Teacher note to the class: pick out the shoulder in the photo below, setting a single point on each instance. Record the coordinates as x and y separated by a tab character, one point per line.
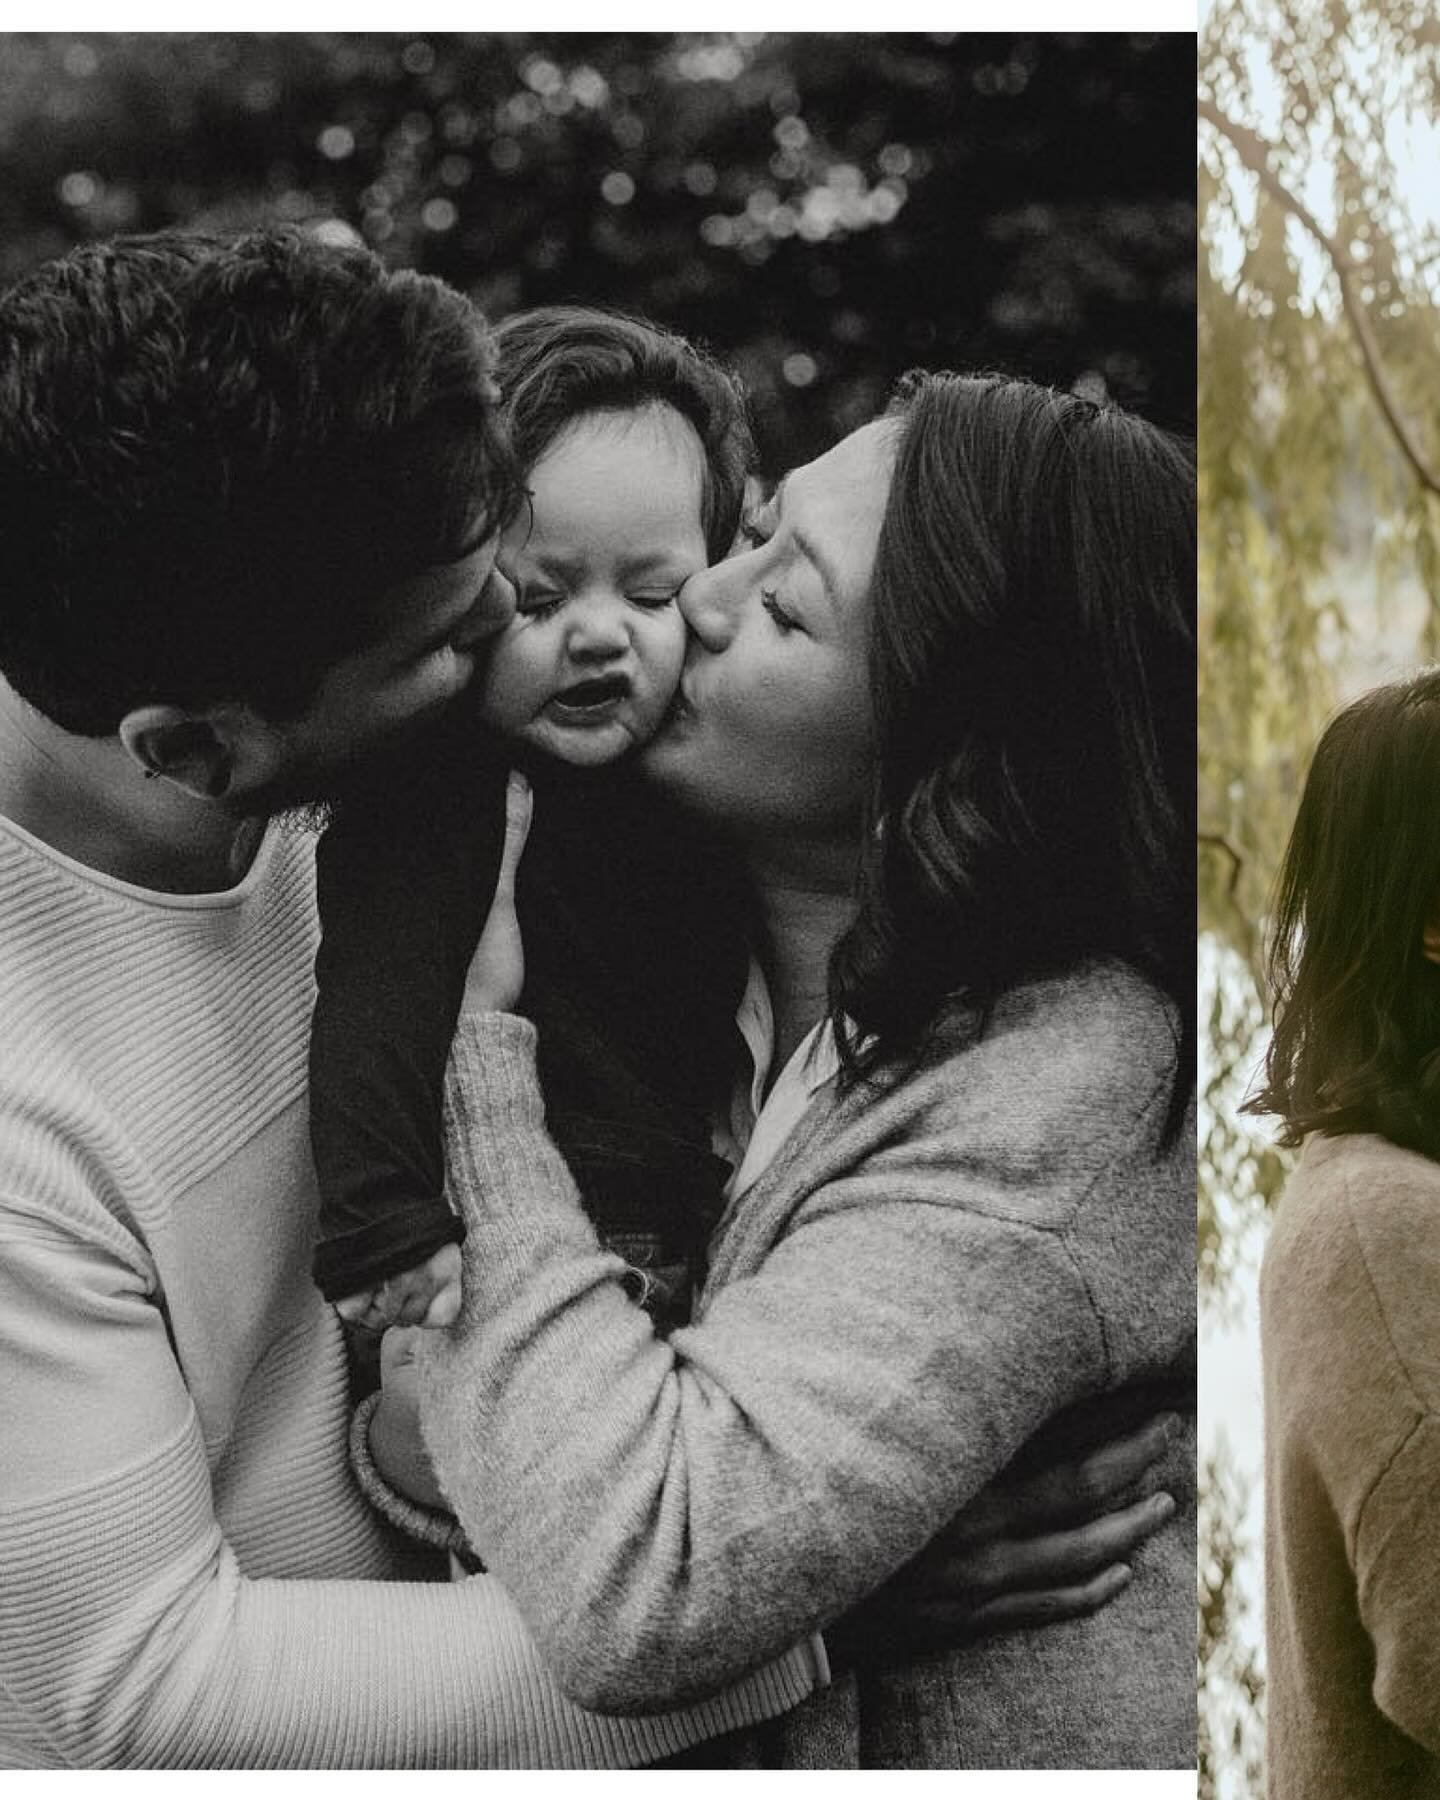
1059	1101
1090	1054
1353	1260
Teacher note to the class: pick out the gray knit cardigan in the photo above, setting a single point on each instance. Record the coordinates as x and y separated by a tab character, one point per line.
988	1261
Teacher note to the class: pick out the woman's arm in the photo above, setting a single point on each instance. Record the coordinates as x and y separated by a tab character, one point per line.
668	1514
1398	1580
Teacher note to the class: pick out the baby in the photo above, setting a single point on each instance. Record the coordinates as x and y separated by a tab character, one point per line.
635	450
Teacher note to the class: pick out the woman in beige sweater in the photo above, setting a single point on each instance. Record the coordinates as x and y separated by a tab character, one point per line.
1351	1279
941	706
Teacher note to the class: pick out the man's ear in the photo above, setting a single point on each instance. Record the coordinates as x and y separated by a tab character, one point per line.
1430	940
195	750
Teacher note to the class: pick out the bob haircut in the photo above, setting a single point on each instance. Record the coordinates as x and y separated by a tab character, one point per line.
216	455
1356	1045
558	363
1033	667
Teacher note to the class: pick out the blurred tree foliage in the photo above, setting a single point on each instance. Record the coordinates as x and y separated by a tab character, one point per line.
825	209
1231	1684
1305	449
1319	440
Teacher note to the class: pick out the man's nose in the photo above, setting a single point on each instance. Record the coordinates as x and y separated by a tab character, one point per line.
708	604
493	610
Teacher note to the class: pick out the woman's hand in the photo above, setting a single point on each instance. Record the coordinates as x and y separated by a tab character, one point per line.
395	1443
497	970
1016	1556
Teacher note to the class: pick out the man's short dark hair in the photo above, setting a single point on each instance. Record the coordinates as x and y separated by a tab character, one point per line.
215	457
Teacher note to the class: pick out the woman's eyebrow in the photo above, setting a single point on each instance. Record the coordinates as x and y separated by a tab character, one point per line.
807	546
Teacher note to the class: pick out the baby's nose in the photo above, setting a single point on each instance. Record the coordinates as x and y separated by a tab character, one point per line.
598	627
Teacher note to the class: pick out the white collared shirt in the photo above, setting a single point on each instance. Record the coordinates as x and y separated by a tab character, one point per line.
757	1125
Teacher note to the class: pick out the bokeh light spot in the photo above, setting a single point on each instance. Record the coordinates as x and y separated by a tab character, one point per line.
800	370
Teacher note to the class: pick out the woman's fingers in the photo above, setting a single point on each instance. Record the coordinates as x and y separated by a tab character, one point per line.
1066	1492
496	977
519	808
399	1350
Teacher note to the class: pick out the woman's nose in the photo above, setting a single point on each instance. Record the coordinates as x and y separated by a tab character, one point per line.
707	604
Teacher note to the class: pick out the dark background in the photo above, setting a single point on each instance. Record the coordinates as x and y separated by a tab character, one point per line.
824	209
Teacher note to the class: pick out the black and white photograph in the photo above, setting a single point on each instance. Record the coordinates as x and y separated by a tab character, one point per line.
597	867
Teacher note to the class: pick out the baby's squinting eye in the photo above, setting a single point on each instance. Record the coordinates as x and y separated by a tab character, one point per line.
538	604
655	602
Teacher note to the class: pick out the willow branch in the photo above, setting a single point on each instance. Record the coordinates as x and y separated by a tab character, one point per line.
1213	841
1254	152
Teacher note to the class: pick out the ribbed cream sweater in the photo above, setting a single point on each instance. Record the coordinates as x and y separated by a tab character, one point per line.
187	1575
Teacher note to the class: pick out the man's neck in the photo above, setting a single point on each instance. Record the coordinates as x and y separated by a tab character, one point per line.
807	903
88	799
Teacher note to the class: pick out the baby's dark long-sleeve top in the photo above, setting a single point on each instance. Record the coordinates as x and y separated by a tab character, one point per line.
634	949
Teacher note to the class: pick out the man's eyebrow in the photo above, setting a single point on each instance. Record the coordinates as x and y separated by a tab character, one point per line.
808	548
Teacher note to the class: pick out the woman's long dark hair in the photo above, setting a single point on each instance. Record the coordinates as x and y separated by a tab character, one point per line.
1033	660
1356	1045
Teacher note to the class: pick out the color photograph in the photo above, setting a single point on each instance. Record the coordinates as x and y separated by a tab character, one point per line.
1319	339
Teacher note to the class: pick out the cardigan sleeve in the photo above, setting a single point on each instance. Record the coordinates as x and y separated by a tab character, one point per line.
1398	1583
668	1513
130	1636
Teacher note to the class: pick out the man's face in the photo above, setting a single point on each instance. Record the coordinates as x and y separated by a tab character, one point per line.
423	657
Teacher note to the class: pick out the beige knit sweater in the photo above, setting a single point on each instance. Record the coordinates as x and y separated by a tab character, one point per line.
1350	1333
919	1288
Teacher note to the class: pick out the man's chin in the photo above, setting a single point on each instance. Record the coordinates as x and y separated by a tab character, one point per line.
307	790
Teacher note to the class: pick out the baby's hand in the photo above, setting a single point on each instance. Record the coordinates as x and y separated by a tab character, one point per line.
428	1295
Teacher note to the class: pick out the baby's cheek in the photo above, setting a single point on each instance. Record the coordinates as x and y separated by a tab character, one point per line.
500	682
667	655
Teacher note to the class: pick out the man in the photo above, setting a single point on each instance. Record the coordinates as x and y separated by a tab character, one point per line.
249	496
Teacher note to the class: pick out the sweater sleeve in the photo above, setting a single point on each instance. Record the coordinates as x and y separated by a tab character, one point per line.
1398	1582
130	1635
669	1513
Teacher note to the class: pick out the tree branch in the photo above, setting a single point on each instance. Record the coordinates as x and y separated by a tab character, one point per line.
1254	152
1213	841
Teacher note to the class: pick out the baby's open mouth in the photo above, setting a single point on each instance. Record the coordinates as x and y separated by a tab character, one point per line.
589	697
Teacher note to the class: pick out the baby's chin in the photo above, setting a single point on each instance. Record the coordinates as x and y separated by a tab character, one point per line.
584	746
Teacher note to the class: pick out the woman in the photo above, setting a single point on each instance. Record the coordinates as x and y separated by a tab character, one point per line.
942	708
1352	1268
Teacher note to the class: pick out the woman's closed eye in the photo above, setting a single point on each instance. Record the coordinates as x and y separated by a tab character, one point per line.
785	621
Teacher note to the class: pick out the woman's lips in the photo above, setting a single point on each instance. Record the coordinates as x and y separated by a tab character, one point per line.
679	712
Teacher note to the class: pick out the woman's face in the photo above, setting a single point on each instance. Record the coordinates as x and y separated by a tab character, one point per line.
772	730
